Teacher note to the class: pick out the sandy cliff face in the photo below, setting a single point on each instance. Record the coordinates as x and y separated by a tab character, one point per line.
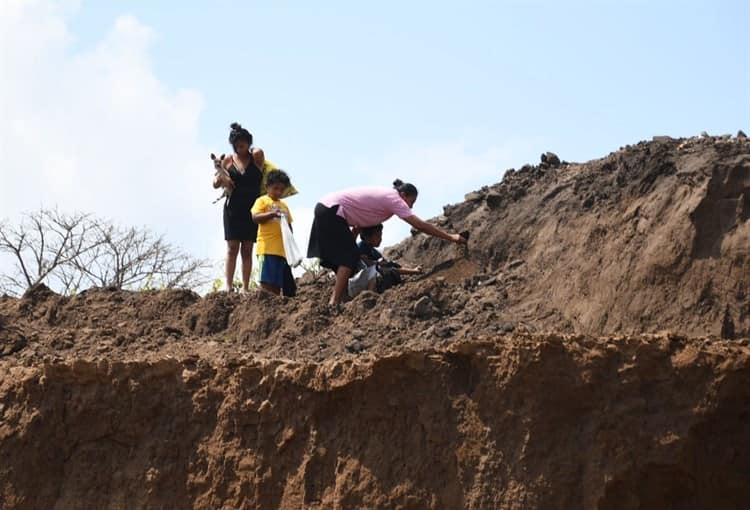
572	359
517	422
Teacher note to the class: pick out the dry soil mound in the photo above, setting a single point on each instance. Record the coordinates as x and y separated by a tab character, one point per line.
653	236
523	374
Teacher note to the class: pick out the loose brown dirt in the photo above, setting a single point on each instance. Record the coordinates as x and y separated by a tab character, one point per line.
589	351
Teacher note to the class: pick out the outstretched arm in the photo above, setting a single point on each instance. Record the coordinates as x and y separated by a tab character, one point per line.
432	230
409	271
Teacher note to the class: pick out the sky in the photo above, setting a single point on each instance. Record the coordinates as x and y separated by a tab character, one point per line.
112	107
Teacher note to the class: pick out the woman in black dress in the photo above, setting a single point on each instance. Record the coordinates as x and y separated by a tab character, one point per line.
245	179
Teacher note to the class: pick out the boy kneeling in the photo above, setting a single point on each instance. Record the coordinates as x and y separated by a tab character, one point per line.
268	212
381	274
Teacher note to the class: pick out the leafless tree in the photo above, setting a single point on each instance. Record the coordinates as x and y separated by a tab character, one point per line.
44	241
136	259
73	252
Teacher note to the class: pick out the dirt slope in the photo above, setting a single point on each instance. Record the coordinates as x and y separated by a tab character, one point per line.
654	236
520	376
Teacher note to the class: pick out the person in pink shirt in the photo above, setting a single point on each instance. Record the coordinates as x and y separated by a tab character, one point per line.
334	243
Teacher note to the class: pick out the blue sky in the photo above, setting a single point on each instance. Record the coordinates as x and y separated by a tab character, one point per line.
356	81
341	94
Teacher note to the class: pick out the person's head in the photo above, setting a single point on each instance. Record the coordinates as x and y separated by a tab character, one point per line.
276	183
259	158
406	191
372	235
240	138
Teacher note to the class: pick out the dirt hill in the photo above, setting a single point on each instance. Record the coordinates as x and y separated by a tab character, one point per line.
573	358
652	237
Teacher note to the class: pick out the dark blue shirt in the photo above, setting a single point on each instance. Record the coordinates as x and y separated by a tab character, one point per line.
369	251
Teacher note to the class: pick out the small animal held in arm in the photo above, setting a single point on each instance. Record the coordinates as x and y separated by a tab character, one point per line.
219	170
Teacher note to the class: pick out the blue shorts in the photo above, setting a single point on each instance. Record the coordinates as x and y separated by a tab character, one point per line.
272	269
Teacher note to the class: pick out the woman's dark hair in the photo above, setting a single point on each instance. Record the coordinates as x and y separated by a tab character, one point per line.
406	188
239	134
276	176
367	232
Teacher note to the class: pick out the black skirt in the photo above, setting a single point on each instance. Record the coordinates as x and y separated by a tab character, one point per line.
238	222
331	240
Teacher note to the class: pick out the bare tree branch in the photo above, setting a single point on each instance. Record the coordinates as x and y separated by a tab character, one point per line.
76	251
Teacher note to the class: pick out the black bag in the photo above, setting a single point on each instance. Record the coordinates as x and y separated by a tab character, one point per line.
290	285
388	276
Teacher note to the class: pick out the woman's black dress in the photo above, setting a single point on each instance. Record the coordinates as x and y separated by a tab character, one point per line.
238	222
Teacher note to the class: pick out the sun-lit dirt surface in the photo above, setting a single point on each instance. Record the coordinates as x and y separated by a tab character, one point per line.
589	351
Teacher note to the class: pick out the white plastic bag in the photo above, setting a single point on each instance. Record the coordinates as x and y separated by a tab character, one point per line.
291	250
361	280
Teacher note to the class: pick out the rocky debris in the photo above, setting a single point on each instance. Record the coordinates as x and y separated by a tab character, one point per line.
423	308
474	196
741	134
587	229
12	342
550	159
355	346
662	139
494	200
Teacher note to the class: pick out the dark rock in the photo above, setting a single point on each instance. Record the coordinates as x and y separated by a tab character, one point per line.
423	308
494	200
355	347
551	159
13	343
741	134
727	325
173	331
506	327
517	192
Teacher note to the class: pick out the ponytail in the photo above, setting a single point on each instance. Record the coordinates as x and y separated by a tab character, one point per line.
406	188
239	134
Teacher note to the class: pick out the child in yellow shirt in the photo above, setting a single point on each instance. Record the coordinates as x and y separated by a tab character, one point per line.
268	212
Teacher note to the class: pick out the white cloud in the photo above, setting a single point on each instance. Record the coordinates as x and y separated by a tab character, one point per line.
97	130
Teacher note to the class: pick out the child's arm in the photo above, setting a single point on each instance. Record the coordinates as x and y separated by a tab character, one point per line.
407	270
266	216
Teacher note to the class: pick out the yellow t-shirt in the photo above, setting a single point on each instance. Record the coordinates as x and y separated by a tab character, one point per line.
269	233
